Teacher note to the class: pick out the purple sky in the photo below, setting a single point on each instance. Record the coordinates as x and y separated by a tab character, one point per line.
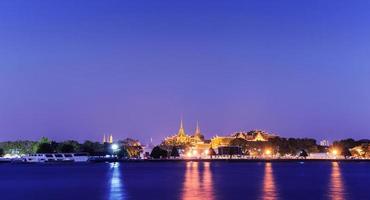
78	69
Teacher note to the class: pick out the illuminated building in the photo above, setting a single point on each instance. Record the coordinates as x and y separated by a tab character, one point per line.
197	146
181	138
255	136
324	143
193	143
361	151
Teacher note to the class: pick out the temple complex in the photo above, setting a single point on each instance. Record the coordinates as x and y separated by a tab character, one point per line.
182	139
252	136
197	144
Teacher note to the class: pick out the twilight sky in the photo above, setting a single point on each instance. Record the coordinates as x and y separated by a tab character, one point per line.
78	69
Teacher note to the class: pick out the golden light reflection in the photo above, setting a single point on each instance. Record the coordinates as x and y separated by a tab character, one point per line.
269	188
198	185
207	183
116	191
336	183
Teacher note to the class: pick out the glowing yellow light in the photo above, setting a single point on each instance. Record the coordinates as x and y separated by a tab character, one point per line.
206	152
188	154
194	152
335	152
268	152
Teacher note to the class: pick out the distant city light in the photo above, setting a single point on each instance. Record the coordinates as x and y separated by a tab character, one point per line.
268	152
114	147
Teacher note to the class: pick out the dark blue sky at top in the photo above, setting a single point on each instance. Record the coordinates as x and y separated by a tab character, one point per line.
78	69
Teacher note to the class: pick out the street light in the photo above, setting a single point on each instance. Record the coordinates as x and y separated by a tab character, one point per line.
114	147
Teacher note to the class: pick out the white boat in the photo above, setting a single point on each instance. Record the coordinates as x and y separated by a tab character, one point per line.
80	157
35	158
55	157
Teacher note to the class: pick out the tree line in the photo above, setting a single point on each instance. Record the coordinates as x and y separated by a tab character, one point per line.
128	148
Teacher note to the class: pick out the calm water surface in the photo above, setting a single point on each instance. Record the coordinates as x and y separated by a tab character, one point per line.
187	180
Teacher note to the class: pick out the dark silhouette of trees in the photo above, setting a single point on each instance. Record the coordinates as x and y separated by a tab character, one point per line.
347	143
346	153
93	148
67	148
239	142
174	152
123	153
303	154
158	152
1	152
293	146
45	148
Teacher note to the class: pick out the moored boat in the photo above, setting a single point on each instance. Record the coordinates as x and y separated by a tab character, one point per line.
55	157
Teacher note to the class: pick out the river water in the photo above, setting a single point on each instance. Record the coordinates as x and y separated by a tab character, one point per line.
187	180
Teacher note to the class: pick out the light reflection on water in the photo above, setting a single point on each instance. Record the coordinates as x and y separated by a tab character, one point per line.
336	184
269	188
116	188
197	185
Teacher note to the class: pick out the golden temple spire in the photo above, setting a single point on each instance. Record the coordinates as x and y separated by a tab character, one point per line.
197	130
181	132
111	138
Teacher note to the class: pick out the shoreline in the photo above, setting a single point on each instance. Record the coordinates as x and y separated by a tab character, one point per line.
192	160
236	160
248	160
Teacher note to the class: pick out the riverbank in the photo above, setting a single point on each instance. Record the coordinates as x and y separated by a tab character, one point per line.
251	160
232	160
111	160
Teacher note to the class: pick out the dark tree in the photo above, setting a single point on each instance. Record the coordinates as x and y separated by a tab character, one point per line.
54	146
157	152
346	153
239	142
1	152
45	148
303	154
123	153
174	152
67	148
93	148
347	143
